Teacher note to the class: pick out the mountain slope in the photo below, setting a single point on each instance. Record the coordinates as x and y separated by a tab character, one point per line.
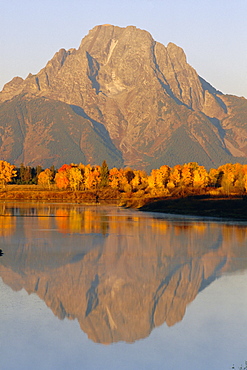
42	131
145	98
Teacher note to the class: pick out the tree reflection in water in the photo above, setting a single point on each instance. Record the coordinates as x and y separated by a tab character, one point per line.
119	273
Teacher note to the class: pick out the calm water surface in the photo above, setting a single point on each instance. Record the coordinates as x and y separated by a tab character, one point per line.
98	287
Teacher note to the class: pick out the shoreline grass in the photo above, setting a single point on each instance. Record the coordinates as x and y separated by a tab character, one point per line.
35	192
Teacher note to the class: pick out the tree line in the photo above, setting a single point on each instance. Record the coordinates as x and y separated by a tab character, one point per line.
180	180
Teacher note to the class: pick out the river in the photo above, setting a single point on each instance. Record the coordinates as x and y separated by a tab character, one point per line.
99	287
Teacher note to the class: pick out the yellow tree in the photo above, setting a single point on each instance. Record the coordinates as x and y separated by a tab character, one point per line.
136	181
125	179
187	174
75	178
152	179
140	180
245	177
92	177
156	181
200	177
214	177
120	179
97	176
7	172
115	178
175	177
165	170
239	173
228	177
88	178
45	178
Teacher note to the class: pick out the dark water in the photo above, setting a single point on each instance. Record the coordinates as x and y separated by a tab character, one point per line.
98	287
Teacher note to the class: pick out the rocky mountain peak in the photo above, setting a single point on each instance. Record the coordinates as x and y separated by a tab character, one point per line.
176	53
141	93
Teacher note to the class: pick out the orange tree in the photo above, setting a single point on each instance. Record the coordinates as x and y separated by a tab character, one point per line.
62	177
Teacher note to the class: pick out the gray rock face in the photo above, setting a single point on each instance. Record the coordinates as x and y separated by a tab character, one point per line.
144	97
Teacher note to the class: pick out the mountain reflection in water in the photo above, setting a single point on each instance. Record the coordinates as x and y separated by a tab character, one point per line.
119	273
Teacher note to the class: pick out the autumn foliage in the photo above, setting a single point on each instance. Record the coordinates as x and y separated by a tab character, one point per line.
180	180
45	178
7	172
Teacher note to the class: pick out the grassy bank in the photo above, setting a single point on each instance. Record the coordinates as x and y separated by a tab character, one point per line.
35	192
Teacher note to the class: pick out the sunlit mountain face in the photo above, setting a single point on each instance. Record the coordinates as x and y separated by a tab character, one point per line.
124	98
119	273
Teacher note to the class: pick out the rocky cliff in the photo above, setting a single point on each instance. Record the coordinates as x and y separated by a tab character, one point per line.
141	100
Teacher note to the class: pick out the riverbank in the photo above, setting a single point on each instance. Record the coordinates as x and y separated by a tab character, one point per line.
227	208
34	192
206	206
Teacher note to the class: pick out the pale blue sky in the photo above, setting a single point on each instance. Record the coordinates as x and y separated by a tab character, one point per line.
213	33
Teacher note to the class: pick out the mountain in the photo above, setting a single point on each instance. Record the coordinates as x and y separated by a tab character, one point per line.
125	98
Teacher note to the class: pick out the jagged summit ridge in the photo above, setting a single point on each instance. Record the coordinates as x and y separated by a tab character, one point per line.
151	103
115	54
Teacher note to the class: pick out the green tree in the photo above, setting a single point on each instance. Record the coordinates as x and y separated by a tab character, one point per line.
25	174
38	169
104	174
22	173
